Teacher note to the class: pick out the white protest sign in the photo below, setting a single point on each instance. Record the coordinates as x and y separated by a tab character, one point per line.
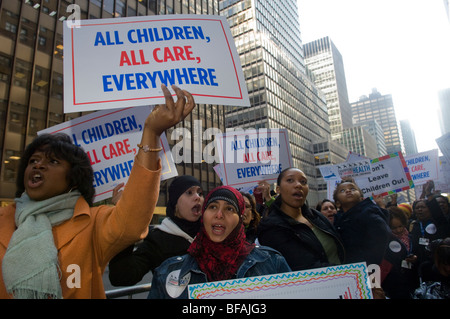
352	157
110	139
121	62
350	281
219	171
423	166
443	184
353	169
331	186
249	156
385	175
389	175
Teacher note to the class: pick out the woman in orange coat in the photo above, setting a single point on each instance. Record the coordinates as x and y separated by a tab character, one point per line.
53	244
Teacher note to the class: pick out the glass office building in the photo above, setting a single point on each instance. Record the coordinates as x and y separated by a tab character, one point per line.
326	63
380	108
409	137
267	37
31	76
444	110
358	140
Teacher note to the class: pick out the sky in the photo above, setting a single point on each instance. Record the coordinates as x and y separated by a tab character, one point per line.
399	47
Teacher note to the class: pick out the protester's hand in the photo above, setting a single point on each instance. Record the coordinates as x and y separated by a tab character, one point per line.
394	199
427	189
379	200
411	259
164	116
378	293
117	193
264	188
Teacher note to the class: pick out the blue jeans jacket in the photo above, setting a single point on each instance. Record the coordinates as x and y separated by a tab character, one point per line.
170	280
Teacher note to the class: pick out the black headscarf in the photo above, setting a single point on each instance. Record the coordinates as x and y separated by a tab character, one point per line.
178	186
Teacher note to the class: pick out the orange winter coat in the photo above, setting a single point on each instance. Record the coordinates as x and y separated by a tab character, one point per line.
94	235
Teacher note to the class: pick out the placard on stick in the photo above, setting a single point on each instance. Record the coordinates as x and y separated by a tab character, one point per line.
385	175
121	62
110	139
249	156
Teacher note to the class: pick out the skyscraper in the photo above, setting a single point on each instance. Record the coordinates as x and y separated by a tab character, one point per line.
267	37
326	63
374	129
444	110
358	140
31	75
380	108
409	138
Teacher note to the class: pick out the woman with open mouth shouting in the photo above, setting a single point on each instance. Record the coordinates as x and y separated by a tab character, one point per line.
303	235
220	250
172	238
53	243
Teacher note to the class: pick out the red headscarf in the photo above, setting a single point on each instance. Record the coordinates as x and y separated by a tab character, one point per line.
220	261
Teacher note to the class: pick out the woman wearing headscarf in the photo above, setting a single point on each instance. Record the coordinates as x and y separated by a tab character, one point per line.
172	238
219	252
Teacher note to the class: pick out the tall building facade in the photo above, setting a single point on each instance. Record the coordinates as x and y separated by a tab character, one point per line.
267	37
326	152
374	129
409	138
31	76
444	110
380	108
358	140
325	61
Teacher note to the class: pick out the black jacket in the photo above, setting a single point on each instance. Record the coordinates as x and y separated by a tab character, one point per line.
399	282
365	232
296	241
436	227
128	268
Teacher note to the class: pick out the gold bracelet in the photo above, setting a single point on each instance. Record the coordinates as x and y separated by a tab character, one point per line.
147	149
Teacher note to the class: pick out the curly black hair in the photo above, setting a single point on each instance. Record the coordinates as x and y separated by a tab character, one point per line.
345	180
59	145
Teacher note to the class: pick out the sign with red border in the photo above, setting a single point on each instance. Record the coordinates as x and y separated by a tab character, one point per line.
110	138
122	62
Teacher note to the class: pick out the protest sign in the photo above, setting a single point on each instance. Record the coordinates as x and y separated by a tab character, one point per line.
353	169
423	166
353	157
121	62
249	156
110	139
350	281
331	186
385	175
389	174
443	183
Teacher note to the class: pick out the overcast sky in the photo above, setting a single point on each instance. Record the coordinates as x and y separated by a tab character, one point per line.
400	47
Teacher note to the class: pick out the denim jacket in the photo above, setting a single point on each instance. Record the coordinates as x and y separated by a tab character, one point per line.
170	280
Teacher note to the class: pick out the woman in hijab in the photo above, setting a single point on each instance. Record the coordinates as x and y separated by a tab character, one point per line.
171	238
219	252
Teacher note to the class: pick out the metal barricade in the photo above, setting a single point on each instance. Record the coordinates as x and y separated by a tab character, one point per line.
127	291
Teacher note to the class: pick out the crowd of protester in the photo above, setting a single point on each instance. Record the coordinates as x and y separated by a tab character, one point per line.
409	243
53	227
